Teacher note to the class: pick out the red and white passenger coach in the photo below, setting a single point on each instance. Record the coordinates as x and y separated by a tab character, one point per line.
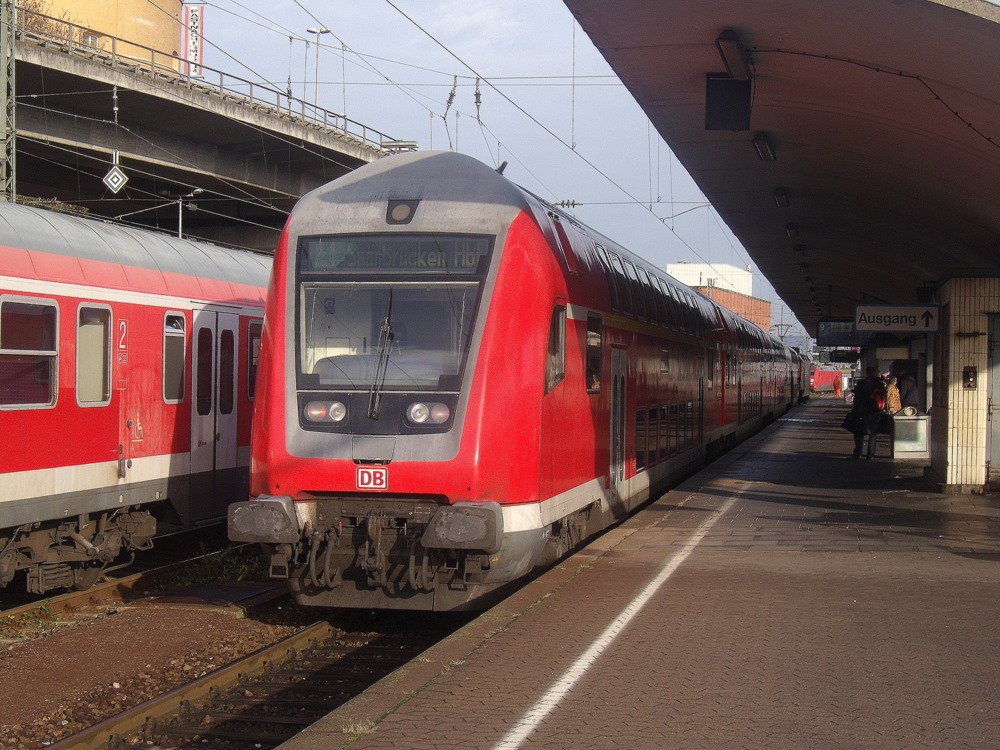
127	369
459	382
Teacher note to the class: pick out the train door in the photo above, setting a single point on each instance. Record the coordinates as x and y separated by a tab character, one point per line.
213	412
618	412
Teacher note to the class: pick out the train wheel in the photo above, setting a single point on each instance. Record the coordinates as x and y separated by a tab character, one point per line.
86	576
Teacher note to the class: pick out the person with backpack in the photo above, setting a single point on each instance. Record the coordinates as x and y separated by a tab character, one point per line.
866	412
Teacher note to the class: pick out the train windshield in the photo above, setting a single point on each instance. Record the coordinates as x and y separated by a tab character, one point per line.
346	292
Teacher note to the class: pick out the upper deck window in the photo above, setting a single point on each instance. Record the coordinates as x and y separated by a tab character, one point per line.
395	254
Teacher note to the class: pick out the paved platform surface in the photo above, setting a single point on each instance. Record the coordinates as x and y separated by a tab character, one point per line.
810	601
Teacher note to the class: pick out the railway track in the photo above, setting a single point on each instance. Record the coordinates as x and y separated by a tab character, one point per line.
63	608
263	699
171	554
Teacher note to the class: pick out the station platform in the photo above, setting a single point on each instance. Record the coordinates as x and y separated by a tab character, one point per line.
786	596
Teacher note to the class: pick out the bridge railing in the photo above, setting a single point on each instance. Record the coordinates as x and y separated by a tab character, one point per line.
48	31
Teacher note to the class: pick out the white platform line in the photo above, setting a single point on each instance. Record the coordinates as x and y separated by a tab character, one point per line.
558	690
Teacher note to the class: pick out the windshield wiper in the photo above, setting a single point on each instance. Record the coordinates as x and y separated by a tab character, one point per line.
381	362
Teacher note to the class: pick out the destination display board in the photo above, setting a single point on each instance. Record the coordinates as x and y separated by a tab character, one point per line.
897	318
395	254
839	333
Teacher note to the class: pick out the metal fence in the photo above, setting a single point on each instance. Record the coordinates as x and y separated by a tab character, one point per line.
47	31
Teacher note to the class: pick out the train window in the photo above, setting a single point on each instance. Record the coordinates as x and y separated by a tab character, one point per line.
664	360
670	305
562	240
653	426
28	352
227	369
637	293
93	356
203	378
664	432
711	363
594	353
640	440
340	323
628	308
652	304
253	356
602	256
555	361
173	358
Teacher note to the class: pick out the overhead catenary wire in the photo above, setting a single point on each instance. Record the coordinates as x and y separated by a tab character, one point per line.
541	125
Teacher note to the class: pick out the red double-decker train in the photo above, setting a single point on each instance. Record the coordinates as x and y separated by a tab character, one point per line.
127	369
460	382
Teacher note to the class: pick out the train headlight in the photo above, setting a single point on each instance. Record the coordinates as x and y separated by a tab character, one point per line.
418	413
337	411
325	411
421	413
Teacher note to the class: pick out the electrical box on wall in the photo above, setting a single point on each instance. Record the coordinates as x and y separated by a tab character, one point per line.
970	378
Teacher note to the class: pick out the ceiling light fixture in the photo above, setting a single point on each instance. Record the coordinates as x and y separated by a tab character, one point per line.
734	55
792	229
780	196
762	145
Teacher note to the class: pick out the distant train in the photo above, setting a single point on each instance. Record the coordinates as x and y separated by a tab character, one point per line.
127	369
460	382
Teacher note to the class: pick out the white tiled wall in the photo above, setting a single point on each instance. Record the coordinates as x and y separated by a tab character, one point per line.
958	431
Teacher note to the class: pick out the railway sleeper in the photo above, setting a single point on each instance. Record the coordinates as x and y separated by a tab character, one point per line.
72	552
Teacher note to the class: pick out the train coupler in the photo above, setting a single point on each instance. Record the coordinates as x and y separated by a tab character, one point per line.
373	559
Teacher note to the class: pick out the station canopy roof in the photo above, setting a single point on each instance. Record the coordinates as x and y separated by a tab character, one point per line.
882	117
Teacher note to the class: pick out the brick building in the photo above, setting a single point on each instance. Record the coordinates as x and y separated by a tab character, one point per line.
757	311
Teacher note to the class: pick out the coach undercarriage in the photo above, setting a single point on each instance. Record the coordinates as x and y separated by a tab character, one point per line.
390	552
73	552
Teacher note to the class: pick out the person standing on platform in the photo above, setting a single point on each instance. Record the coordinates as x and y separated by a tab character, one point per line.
838	387
866	412
908	395
893	403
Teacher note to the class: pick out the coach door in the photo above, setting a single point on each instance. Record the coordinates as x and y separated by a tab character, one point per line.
618	412
213	411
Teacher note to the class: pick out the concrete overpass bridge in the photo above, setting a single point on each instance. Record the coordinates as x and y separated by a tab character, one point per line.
250	150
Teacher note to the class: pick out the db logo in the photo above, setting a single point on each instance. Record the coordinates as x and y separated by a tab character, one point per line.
373	478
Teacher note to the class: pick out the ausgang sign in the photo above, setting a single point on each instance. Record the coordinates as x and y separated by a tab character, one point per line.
897	318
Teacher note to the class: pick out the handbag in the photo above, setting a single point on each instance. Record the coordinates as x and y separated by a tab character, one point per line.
853	422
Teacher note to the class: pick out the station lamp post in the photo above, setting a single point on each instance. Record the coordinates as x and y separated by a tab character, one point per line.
317	30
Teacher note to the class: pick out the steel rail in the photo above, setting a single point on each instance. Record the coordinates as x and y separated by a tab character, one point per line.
113	590
111	732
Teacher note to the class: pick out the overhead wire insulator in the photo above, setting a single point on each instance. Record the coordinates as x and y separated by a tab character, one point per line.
479	101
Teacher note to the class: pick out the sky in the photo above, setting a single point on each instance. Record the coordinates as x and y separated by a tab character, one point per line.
549	105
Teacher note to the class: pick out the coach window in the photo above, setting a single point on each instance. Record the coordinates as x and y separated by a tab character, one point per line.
593	363
555	368
602	256
28	352
253	357
640	298
640	440
203	378
628	305
93	356
173	358
227	367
